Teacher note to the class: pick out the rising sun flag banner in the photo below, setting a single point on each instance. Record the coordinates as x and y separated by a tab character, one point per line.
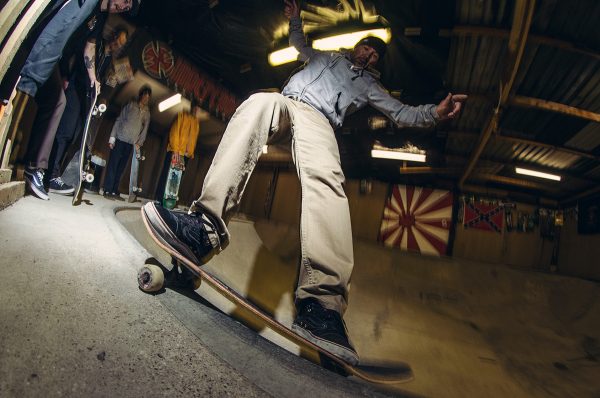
417	219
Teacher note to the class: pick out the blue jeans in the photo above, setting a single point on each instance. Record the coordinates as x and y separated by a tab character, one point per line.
49	46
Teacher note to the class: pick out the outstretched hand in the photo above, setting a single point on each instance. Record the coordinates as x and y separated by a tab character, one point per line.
291	9
450	106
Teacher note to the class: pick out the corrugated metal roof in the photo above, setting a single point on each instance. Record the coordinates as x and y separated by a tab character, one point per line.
548	71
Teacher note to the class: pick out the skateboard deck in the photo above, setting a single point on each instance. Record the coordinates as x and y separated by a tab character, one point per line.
172	185
151	278
135	178
85	175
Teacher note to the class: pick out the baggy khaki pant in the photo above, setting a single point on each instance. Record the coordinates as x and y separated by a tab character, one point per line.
327	256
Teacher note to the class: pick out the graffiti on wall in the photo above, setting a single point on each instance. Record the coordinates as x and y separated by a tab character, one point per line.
160	62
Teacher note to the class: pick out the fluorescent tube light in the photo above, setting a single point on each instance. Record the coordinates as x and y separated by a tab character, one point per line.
414	157
537	174
284	56
347	40
169	102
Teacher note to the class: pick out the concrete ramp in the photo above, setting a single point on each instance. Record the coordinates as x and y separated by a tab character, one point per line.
467	329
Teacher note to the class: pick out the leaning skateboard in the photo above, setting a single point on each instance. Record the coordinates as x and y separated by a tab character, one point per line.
174	175
85	170
152	278
135	178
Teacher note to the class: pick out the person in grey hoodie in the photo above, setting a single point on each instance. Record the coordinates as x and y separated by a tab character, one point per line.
129	130
315	100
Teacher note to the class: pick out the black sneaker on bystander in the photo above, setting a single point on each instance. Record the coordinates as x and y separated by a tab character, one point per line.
57	185
35	182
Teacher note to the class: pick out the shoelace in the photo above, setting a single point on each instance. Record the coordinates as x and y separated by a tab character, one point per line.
39	174
59	181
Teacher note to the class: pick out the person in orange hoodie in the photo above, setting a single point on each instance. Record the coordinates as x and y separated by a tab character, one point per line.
182	143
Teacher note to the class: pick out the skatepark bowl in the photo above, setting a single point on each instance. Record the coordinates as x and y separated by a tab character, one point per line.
468	329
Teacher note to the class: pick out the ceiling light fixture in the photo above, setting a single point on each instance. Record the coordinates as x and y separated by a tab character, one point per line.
539	174
330	43
408	152
381	154
169	102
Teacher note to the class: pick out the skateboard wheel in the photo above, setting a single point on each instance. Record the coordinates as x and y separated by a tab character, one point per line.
102	108
89	178
151	278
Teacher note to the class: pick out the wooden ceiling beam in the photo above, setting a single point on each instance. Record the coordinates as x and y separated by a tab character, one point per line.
458	31
537	103
529	102
510	181
504	137
523	14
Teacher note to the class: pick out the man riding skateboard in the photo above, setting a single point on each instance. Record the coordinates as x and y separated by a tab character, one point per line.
314	101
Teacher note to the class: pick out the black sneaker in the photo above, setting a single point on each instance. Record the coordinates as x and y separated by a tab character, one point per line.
325	328
35	182
188	236
57	185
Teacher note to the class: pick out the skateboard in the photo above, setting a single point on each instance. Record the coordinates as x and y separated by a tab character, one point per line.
135	178
152	278
85	170
172	185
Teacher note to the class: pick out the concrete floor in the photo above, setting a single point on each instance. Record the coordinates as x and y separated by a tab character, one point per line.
72	321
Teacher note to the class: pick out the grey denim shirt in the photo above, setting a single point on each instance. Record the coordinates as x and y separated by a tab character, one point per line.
132	124
330	83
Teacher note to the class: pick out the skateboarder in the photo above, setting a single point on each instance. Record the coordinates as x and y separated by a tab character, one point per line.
129	130
41	79
314	101
77	82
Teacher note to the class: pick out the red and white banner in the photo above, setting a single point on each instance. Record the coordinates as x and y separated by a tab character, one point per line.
417	219
488	217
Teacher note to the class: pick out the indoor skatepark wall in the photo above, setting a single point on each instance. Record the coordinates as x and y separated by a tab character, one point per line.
577	253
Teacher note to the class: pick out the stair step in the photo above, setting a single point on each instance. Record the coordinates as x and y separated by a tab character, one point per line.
5	175
10	192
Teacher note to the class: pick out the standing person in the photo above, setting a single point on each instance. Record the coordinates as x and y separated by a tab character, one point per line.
129	130
72	121
315	100
40	78
182	144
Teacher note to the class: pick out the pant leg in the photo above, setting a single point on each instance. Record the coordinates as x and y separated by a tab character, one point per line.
51	105
326	238
111	181
125	151
69	125
327	256
49	46
237	154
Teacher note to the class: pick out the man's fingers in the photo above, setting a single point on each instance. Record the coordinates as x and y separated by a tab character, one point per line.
460	97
